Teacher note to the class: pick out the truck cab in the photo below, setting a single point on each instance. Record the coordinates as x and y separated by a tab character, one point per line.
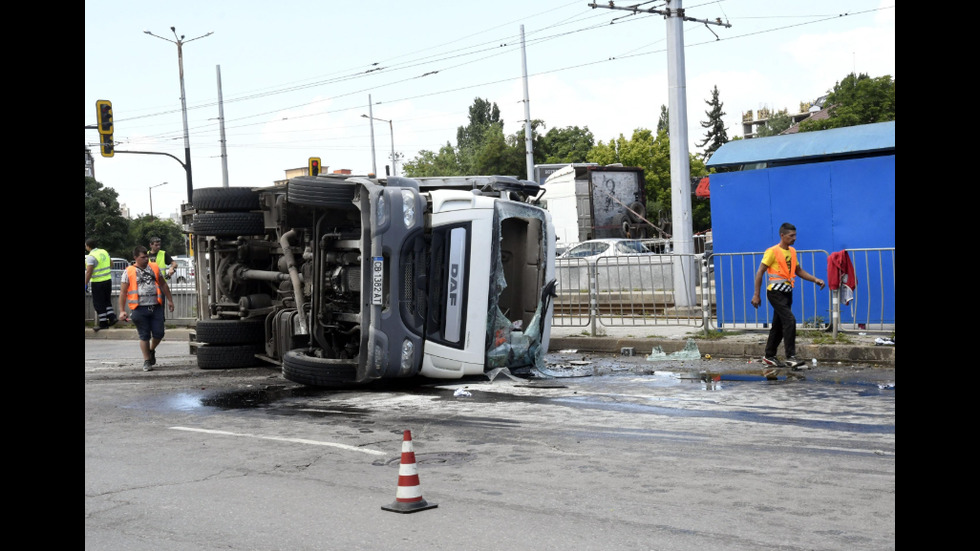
356	279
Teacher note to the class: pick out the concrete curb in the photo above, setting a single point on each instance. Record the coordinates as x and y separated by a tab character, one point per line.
876	355
883	356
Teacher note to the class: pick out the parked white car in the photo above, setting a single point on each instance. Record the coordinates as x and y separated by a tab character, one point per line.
118	266
596	248
184	272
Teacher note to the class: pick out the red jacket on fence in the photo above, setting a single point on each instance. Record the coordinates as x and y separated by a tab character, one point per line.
840	272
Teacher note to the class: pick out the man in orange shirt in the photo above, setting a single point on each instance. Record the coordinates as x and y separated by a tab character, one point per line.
780	262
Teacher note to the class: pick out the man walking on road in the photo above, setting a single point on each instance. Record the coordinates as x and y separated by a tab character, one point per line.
780	262
98	274
143	288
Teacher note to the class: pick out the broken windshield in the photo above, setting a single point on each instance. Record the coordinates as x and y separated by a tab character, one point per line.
518	305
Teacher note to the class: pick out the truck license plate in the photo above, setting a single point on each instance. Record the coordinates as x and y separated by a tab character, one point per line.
379	276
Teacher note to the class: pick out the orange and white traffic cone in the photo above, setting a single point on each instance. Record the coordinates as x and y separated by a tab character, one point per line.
408	498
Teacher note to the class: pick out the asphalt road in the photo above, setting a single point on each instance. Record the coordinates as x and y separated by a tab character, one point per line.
618	453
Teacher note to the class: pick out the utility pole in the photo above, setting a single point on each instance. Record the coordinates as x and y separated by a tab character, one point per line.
221	121
374	163
183	102
528	142
680	165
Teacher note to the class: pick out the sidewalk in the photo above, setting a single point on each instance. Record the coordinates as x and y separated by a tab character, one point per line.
749	344
746	344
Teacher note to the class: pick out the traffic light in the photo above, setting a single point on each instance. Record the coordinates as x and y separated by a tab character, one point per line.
103	114
314	166
106	145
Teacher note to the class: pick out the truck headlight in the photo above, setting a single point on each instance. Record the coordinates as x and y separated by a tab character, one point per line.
408	208
381	211
408	356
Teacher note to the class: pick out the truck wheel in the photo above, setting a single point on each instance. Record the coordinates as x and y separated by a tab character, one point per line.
230	331
225	199
210	356
621	224
301	367
315	192
229	224
637	207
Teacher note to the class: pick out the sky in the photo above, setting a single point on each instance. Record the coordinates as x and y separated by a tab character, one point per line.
299	78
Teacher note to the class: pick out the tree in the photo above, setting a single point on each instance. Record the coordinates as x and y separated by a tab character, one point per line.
664	122
717	135
427	163
775	124
104	220
483	116
564	145
858	99
146	226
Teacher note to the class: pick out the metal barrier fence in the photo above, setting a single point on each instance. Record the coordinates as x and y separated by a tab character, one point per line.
872	306
735	273
631	291
873	303
639	291
185	305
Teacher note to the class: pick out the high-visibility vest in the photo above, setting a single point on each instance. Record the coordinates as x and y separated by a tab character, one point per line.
132	294
780	271
161	256
103	268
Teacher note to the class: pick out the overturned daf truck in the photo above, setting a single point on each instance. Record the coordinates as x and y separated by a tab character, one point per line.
347	280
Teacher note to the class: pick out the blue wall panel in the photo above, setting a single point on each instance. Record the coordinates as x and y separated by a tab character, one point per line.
834	205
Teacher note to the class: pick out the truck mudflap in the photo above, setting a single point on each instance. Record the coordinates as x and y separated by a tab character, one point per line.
523	253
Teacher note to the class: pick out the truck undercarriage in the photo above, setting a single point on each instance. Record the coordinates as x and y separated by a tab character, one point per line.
345	281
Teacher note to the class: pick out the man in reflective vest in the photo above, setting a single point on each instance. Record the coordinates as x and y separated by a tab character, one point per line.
142	288
98	274
161	258
780	263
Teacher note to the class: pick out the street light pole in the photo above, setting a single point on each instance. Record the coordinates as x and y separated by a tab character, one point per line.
183	102
151	196
391	130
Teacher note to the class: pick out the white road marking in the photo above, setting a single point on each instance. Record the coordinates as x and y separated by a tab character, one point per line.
294	440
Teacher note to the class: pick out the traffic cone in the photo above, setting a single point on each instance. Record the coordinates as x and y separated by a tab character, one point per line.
408	498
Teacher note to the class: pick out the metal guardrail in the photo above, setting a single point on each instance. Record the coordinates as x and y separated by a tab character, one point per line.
735	273
635	290
185	305
639	291
873	304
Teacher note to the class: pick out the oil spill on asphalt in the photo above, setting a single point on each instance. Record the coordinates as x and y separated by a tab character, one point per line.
659	393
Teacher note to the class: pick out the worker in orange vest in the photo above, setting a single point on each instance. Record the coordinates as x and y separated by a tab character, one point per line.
142	289
782	266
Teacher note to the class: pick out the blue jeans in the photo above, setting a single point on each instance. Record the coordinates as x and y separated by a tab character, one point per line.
149	321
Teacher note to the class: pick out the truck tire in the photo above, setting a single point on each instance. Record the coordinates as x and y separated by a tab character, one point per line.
315	192
638	207
621	224
301	367
229	224
211	356
225	199
230	331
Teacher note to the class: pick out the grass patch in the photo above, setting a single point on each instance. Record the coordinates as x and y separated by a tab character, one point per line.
823	337
715	334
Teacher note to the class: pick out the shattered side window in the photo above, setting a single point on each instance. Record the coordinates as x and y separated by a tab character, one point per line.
515	314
